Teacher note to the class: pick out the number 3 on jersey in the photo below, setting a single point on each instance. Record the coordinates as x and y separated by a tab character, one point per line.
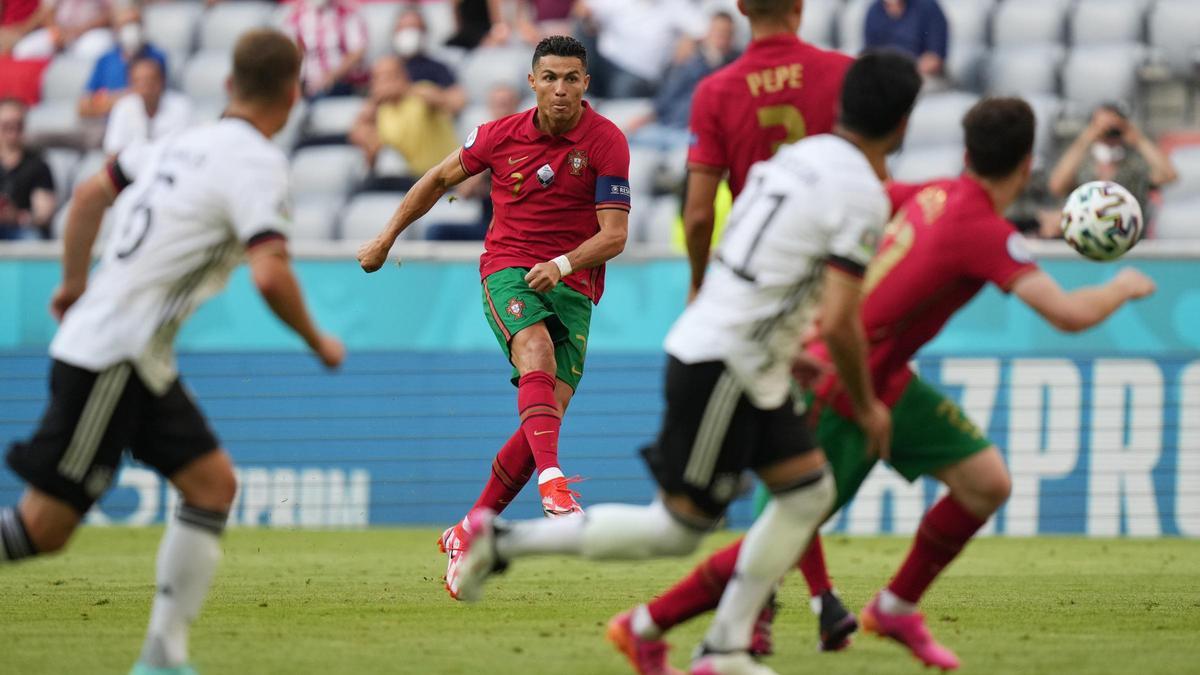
786	116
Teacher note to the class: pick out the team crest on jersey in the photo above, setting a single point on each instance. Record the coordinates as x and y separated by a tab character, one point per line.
515	308
576	161
932	202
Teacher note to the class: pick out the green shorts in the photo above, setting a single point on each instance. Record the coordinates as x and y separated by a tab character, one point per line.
512	306
929	433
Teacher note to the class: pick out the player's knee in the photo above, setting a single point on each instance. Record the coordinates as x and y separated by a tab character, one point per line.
678	535
995	489
810	498
48	535
215	492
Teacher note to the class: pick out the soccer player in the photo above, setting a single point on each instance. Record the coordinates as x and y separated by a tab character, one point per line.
560	186
804	230
947	241
778	91
190	209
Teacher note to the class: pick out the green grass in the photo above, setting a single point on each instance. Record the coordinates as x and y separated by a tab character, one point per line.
372	602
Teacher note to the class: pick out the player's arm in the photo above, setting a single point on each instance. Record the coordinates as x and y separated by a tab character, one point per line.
1079	310
842	330
597	250
698	218
91	198
417	202
271	270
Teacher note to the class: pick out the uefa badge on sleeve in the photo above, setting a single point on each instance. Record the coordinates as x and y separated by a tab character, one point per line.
545	175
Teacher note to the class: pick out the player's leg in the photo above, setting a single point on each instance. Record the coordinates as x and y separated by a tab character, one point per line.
939	440
38	525
175	439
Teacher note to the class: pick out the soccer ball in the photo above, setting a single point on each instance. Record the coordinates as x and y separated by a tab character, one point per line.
1102	220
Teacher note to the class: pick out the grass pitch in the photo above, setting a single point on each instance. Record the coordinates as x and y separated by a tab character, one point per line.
372	602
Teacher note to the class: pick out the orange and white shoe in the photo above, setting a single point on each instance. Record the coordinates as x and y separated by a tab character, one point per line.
558	499
648	657
451	543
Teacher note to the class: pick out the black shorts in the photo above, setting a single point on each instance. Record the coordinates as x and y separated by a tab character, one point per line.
90	421
711	433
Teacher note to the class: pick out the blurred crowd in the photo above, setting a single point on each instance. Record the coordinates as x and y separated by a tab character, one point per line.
394	86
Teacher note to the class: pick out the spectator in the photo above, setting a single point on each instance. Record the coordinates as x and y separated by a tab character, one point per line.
406	116
534	20
332	35
1113	148
409	43
666	127
636	40
79	27
478	23
917	27
110	77
27	199
148	111
18	18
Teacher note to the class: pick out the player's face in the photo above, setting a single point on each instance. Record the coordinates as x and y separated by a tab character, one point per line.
559	83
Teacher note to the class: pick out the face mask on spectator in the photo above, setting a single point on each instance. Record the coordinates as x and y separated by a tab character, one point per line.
407	42
1104	153
130	37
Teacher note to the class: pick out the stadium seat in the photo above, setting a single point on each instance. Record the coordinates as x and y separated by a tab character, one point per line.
967	19
224	23
1028	22
1093	75
1177	219
53	120
314	217
333	116
65	78
817	26
367	213
917	164
1186	160
440	22
1107	22
380	18
171	26
964	64
622	111
1020	71
456	212
332	170
471	116
63	163
1172	29
850	26
488	66
657	222
390	163
1048	108
289	135
936	119
205	73
91	164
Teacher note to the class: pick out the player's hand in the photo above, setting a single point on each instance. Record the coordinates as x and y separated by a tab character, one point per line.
373	254
1135	284
808	369
330	350
64	296
543	277
876	423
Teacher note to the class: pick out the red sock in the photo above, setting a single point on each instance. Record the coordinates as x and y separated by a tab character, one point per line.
812	566
943	533
540	419
698	592
510	472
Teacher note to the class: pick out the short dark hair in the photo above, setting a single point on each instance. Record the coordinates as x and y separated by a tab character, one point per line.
146	58
266	64
767	9
999	136
560	45
879	92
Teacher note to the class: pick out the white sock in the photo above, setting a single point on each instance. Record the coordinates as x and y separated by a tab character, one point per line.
605	532
643	624
770	548
187	560
549	475
890	603
815	603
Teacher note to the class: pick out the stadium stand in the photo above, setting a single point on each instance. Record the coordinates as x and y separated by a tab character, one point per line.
1028	22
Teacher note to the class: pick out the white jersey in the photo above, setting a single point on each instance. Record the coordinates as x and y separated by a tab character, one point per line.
815	203
195	200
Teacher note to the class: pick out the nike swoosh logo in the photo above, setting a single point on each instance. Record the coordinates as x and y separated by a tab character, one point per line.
512	161
542	433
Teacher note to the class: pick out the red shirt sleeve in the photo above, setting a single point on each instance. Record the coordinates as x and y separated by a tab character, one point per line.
476	153
706	147
899	193
998	253
612	173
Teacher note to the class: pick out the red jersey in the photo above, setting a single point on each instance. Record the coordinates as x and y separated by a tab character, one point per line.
546	189
945	242
779	91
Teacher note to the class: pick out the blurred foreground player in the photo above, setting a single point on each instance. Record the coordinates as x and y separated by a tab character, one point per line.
190	209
